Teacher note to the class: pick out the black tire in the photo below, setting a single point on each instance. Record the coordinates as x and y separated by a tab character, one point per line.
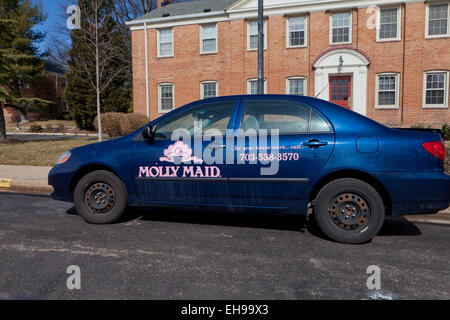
349	211
100	197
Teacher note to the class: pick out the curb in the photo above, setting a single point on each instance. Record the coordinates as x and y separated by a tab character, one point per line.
432	221
5	183
25	186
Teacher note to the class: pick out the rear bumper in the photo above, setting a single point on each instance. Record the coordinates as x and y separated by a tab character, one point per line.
416	192
59	177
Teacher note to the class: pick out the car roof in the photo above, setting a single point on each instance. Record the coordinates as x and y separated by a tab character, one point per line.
339	117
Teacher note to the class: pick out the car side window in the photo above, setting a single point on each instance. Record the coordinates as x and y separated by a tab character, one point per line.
286	116
318	124
213	115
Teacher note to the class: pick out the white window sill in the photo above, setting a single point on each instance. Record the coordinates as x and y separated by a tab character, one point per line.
339	43
430	106
208	52
386	107
255	49
389	40
438	36
162	57
296	47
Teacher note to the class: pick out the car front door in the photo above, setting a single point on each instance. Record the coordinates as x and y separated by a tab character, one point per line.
305	143
172	171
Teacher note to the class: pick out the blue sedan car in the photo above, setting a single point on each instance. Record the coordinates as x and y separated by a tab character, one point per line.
275	153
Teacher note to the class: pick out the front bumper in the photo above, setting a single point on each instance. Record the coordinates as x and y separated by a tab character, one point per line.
416	192
60	177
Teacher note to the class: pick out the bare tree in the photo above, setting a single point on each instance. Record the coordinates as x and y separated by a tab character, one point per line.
97	41
131	9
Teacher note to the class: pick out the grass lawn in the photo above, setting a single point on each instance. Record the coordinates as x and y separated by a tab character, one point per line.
38	153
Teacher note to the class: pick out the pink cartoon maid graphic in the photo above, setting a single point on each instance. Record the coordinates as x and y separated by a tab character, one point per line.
179	152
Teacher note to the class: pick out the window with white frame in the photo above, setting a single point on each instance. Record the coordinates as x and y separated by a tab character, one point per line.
296	86
296	29
208	41
208	89
341	27
436	89
387	90
252	86
165	97
389	24
165	42
252	35
437	24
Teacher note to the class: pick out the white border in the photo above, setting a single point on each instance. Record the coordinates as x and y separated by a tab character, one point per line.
446	85
248	35
208	82
427	15
253	80
158	54
287	32
350	36
397	90
159	96
305	84
399	24
202	51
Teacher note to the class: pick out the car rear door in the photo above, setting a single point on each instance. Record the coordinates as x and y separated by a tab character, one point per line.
171	171
305	143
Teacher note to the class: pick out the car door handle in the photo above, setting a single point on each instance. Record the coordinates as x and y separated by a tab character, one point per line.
314	143
216	146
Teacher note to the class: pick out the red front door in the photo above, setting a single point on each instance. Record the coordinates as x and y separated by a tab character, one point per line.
341	90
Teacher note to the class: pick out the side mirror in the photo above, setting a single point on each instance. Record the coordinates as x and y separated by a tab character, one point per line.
148	133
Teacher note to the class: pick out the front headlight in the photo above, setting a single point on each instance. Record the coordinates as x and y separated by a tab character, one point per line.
64	157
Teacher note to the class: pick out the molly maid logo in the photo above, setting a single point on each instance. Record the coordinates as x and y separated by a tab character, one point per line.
181	152
178	153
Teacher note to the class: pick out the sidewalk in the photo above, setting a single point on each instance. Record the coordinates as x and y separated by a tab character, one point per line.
34	180
25	178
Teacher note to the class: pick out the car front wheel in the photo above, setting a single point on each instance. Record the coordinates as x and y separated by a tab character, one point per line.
100	197
349	211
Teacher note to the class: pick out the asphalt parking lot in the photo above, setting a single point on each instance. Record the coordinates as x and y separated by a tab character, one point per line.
168	254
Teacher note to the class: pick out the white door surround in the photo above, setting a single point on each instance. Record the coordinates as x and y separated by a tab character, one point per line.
343	61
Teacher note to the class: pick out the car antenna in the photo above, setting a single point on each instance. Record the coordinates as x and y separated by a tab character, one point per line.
322	90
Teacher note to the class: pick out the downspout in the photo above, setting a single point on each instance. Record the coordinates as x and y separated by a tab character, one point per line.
308	36
147	101
403	64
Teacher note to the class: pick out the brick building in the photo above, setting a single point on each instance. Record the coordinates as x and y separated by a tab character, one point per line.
51	88
387	59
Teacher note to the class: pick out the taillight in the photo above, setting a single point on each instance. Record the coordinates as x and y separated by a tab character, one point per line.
436	148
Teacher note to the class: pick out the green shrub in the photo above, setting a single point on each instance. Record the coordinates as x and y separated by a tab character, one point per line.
131	122
36	128
65	116
445	132
117	124
110	124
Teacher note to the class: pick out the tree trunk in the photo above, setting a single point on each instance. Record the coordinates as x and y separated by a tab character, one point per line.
2	124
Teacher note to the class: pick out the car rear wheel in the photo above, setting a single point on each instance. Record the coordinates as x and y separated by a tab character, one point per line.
100	197
349	211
